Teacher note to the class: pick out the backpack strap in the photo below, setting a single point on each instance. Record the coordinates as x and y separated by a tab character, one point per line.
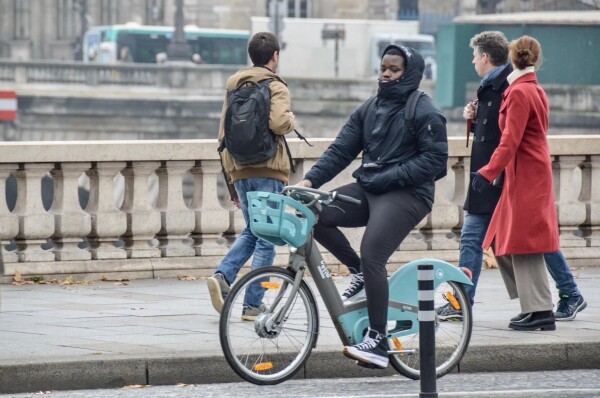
230	188
302	137
365	109
411	106
289	153
266	83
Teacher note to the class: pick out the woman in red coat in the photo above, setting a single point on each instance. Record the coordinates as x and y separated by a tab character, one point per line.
524	225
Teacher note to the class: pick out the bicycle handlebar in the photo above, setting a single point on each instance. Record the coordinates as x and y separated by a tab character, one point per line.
345	198
324	196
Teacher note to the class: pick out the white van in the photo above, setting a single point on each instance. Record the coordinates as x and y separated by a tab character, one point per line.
424	44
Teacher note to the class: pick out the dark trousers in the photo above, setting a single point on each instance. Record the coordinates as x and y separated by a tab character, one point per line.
388	219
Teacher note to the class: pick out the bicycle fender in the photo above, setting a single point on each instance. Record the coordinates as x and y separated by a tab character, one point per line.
405	278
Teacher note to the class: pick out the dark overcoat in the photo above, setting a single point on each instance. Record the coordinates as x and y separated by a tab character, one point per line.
486	137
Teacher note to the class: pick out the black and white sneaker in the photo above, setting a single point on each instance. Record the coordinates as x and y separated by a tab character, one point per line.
372	352
357	284
568	307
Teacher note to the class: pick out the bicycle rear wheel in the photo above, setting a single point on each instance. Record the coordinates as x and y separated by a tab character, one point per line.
265	351
451	337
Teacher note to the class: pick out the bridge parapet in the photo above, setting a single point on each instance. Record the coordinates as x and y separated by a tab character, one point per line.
158	208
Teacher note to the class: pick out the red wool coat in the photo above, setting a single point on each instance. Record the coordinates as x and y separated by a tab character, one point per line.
524	221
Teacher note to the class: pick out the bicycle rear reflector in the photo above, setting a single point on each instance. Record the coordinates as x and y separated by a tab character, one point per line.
452	300
270	285
263	366
397	344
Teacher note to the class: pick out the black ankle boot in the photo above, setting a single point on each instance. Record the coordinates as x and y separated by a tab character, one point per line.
518	317
543	320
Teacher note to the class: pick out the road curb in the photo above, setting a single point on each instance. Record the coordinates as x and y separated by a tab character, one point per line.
329	363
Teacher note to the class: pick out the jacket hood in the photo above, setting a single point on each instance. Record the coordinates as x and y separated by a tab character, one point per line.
415	66
253	73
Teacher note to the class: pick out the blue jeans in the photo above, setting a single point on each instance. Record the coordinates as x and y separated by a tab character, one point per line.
560	272
471	257
247	244
471	251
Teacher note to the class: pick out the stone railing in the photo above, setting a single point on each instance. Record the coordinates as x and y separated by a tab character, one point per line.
194	80
156	208
77	73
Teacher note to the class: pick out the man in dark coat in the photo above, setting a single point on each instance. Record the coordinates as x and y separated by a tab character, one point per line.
395	184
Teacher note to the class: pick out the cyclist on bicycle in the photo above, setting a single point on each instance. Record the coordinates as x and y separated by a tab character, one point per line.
395	184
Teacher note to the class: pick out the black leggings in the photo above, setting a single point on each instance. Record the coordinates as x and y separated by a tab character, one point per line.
388	218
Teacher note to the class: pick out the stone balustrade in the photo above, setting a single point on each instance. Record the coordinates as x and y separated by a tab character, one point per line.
158	208
77	73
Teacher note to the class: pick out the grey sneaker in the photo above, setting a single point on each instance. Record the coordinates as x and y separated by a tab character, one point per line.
448	313
568	307
250	313
218	289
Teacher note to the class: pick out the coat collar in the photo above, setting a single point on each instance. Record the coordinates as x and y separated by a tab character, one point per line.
499	80
518	73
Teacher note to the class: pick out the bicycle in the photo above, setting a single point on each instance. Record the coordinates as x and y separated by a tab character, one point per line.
276	345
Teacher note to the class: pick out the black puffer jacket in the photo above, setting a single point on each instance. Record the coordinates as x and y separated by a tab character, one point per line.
393	158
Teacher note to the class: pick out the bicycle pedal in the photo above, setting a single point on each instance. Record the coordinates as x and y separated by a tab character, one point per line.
368	365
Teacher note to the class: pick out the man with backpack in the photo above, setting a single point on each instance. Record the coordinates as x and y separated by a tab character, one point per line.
403	153
256	115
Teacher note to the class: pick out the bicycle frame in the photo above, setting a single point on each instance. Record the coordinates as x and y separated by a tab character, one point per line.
279	341
351	318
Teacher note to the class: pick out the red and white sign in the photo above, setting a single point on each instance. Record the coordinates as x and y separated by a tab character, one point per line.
8	105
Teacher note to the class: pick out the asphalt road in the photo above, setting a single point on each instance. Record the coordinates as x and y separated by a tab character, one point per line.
572	383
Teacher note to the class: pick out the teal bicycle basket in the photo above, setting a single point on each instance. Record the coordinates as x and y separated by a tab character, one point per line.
279	219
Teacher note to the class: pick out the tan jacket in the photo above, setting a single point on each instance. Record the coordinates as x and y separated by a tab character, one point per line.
280	122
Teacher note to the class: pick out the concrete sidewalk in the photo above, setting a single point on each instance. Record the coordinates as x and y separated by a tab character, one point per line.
165	331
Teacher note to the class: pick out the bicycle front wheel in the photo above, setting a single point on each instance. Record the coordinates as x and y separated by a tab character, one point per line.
273	347
452	336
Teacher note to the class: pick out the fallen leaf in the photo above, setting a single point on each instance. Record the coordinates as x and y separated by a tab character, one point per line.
136	386
121	284
105	279
69	280
17	278
51	281
186	278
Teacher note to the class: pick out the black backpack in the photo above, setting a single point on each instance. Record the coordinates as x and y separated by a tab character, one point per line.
247	135
409	117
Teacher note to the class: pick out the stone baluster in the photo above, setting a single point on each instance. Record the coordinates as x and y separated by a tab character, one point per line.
71	223
460	169
211	218
443	217
177	221
9	222
143	222
591	196
571	212
108	222
35	223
